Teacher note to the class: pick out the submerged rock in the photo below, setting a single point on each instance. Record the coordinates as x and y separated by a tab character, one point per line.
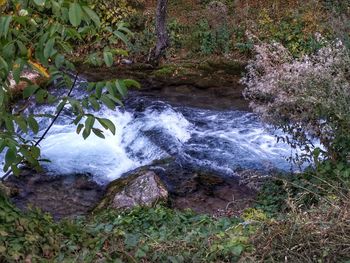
60	195
144	188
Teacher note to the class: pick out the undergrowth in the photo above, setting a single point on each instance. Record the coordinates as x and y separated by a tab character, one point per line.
142	235
309	217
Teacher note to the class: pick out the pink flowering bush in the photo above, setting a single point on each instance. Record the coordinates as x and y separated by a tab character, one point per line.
305	96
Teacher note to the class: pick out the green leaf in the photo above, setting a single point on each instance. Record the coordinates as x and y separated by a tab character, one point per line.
237	250
75	14
3	64
86	133
33	124
22	48
118	51
39	2
107	101
89	122
121	87
79	128
107	124
108	58
2	97
48	50
56	8
98	133
121	36
29	91
59	60
22	124
35	151
4	25
99	88
94	103
111	87
78	119
10	156
122	27
116	100
17	69
41	95
91	86
93	16
132	83
9	124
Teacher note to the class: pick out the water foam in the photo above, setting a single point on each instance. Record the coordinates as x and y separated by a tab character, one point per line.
222	141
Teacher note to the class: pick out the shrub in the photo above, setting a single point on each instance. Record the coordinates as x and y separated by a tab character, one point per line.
212	40
305	97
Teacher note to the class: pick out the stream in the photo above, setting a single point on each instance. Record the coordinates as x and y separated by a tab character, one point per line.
149	129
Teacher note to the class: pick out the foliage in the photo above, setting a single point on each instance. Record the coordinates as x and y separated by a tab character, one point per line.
112	12
177	33
36	36
142	41
304	97
143	234
294	31
212	41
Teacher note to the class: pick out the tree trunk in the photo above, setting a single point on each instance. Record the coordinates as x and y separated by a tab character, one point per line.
161	31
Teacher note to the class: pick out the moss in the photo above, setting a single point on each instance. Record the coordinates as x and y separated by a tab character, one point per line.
165	71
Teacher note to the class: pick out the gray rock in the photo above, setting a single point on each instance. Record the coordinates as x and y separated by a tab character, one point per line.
125	61
142	189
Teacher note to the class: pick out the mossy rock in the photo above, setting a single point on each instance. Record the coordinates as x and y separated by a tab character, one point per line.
141	188
165	71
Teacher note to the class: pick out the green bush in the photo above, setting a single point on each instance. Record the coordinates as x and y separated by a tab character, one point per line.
212	41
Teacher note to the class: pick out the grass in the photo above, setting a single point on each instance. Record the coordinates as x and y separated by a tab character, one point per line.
320	234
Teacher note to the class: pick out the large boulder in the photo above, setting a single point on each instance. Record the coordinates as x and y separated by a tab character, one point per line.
144	188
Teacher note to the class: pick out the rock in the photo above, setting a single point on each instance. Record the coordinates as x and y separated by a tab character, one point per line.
125	61
144	188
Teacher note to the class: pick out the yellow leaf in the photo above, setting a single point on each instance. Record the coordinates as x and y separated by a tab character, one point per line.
2	2
42	70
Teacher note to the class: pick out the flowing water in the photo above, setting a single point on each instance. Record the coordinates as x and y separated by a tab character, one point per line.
148	129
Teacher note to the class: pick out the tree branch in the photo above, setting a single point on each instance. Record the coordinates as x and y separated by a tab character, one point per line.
48	128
